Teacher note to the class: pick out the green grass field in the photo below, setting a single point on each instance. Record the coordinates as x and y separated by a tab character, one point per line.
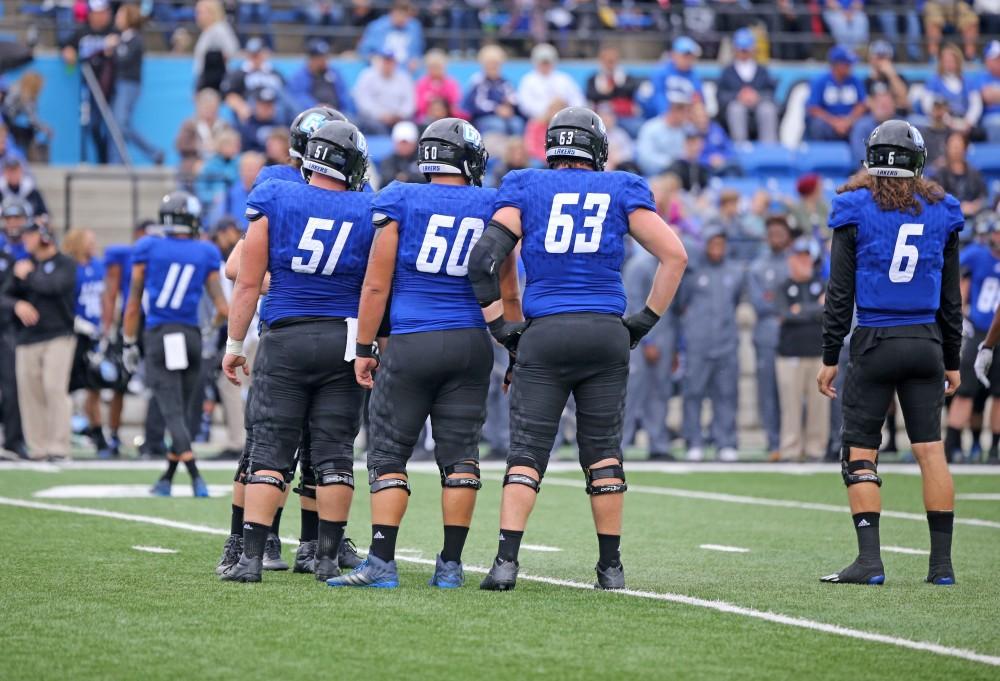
79	602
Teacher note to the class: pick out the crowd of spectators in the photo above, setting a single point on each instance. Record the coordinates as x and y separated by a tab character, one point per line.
764	248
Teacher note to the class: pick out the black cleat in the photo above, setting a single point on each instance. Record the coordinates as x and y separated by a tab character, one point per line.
347	555
231	551
245	570
858	573
305	557
941	575
272	554
611	577
502	576
325	568
994	456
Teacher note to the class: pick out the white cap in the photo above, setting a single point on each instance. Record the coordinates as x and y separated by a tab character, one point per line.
544	52
405	131
98	5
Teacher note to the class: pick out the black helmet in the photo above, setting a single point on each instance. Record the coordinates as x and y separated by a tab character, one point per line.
454	147
306	123
180	213
577	133
16	207
337	149
895	149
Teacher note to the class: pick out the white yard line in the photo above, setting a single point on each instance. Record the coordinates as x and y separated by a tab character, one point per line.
154	549
542	548
724	548
675	468
909	552
181	489
764	501
978	496
718	606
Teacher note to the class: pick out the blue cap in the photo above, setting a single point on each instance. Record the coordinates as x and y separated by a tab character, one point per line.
254	45
992	50
842	55
387	52
744	39
685	45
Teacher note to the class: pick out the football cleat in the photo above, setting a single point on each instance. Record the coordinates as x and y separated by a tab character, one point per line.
305	557
858	573
994	456
501	577
245	570
611	577
325	568
231	551
373	573
695	454
161	488
347	555
272	554
447	574
728	455
199	487
941	575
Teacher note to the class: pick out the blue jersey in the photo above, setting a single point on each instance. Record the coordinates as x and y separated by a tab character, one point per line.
318	243
574	224
176	270
16	251
983	269
438	226
289	174
90	291
899	257
278	172
836	98
120	255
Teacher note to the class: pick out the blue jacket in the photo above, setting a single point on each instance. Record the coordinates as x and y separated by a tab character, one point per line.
485	95
406	42
303	87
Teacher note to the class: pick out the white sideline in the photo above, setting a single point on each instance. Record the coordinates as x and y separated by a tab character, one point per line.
718	606
153	549
762	501
978	496
673	468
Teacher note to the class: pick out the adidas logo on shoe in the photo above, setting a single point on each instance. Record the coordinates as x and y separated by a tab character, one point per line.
379	535
502	538
864	523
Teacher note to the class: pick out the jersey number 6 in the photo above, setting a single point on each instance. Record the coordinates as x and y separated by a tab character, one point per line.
435	246
559	234
905	252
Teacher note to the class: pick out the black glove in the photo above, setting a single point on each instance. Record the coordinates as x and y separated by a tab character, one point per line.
509	374
369	350
507	334
639	324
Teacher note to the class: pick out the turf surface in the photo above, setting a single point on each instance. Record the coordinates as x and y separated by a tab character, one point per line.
79	602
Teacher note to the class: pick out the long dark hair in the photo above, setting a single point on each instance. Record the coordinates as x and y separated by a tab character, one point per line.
895	193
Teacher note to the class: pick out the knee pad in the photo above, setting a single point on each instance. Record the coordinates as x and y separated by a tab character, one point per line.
604	473
334	475
849	469
242	469
376	485
303	491
520	478
461	467
255	479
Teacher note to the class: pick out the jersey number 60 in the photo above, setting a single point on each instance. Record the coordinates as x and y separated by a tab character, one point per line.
905	252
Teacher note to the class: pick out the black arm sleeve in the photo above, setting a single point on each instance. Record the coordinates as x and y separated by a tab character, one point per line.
487	255
949	315
839	294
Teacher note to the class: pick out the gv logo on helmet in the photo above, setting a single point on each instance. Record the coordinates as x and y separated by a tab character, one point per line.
471	135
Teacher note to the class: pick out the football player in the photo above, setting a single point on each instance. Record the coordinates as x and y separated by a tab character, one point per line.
313	239
173	270
572	221
304	125
440	359
981	263
895	256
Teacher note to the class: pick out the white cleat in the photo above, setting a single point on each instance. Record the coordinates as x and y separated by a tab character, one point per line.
695	454
728	454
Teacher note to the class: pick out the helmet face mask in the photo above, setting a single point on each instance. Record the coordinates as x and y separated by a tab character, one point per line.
338	150
577	134
180	214
895	149
451	146
306	123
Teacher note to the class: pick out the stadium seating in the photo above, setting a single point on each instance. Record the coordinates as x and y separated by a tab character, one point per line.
826	158
767	159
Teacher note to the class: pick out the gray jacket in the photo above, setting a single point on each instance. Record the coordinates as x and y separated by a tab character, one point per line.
765	275
708	298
